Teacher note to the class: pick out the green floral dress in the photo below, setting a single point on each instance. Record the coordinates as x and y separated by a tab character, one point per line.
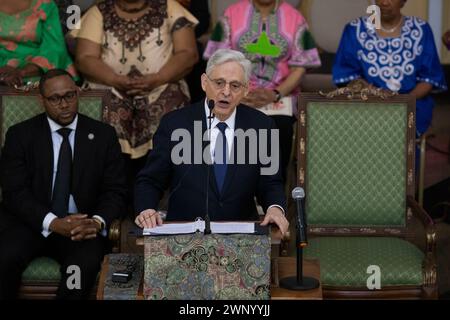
34	36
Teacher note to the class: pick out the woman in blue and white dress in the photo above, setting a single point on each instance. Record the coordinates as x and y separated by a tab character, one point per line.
400	56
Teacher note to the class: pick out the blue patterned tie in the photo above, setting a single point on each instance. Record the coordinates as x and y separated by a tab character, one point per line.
220	156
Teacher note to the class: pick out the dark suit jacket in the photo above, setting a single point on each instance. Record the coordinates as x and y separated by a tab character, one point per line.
26	171
188	182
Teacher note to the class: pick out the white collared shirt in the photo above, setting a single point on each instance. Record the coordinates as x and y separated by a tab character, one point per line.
229	131
57	140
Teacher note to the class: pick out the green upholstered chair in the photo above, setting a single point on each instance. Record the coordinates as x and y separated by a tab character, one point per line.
356	164
40	279
18	106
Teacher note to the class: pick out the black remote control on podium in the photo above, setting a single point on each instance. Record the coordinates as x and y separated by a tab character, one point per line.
121	276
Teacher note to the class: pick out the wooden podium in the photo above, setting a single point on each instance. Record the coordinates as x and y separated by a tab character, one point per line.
285	266
281	267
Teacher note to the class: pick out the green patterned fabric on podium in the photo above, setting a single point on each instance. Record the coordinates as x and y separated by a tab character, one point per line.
207	267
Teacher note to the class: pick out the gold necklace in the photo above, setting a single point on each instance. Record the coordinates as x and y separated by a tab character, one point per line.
392	29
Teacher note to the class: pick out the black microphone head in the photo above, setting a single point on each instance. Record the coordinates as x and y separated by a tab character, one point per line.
298	193
211	104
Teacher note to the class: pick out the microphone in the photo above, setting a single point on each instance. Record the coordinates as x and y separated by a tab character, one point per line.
211	104
299	282
298	194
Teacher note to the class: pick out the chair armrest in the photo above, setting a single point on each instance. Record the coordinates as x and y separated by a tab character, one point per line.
114	235
430	266
427	223
422	142
423	138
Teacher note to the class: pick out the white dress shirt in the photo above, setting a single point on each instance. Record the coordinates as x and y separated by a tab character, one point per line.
229	133
57	140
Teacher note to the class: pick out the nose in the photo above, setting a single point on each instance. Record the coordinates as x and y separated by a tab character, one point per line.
227	90
63	104
384	3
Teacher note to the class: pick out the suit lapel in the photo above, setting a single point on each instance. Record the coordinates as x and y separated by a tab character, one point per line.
45	149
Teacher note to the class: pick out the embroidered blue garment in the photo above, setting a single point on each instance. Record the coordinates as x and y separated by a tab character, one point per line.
397	64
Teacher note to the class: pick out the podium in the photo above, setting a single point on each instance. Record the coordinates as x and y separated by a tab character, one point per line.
134	290
207	267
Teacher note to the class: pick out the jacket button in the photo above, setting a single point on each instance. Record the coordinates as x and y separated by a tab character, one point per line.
221	204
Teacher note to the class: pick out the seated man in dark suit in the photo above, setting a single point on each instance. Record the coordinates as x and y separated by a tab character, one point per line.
63	183
235	176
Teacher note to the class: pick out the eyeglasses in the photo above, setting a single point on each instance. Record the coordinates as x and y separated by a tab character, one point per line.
68	97
220	84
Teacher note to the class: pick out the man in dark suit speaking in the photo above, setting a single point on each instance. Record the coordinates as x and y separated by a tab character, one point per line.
62	179
241	140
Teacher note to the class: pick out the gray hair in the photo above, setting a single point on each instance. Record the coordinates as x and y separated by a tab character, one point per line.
222	56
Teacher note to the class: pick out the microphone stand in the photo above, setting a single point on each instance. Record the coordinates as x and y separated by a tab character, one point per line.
208	169
299	282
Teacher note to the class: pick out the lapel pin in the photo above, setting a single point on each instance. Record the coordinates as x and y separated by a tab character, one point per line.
91	136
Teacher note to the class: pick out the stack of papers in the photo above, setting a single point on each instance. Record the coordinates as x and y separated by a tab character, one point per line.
199	225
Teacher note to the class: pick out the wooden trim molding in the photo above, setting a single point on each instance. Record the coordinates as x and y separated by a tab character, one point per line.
335	230
363	293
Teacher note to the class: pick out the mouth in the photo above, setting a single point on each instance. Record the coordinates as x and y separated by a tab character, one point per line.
66	115
223	104
385	10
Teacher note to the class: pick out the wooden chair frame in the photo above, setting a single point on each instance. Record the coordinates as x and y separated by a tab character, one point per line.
429	286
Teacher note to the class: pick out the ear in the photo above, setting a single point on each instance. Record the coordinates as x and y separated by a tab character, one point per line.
203	81
246	91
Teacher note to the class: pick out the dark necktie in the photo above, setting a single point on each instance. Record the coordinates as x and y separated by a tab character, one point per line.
220	156
63	180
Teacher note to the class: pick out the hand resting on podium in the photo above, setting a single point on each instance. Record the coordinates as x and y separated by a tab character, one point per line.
276	216
150	218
